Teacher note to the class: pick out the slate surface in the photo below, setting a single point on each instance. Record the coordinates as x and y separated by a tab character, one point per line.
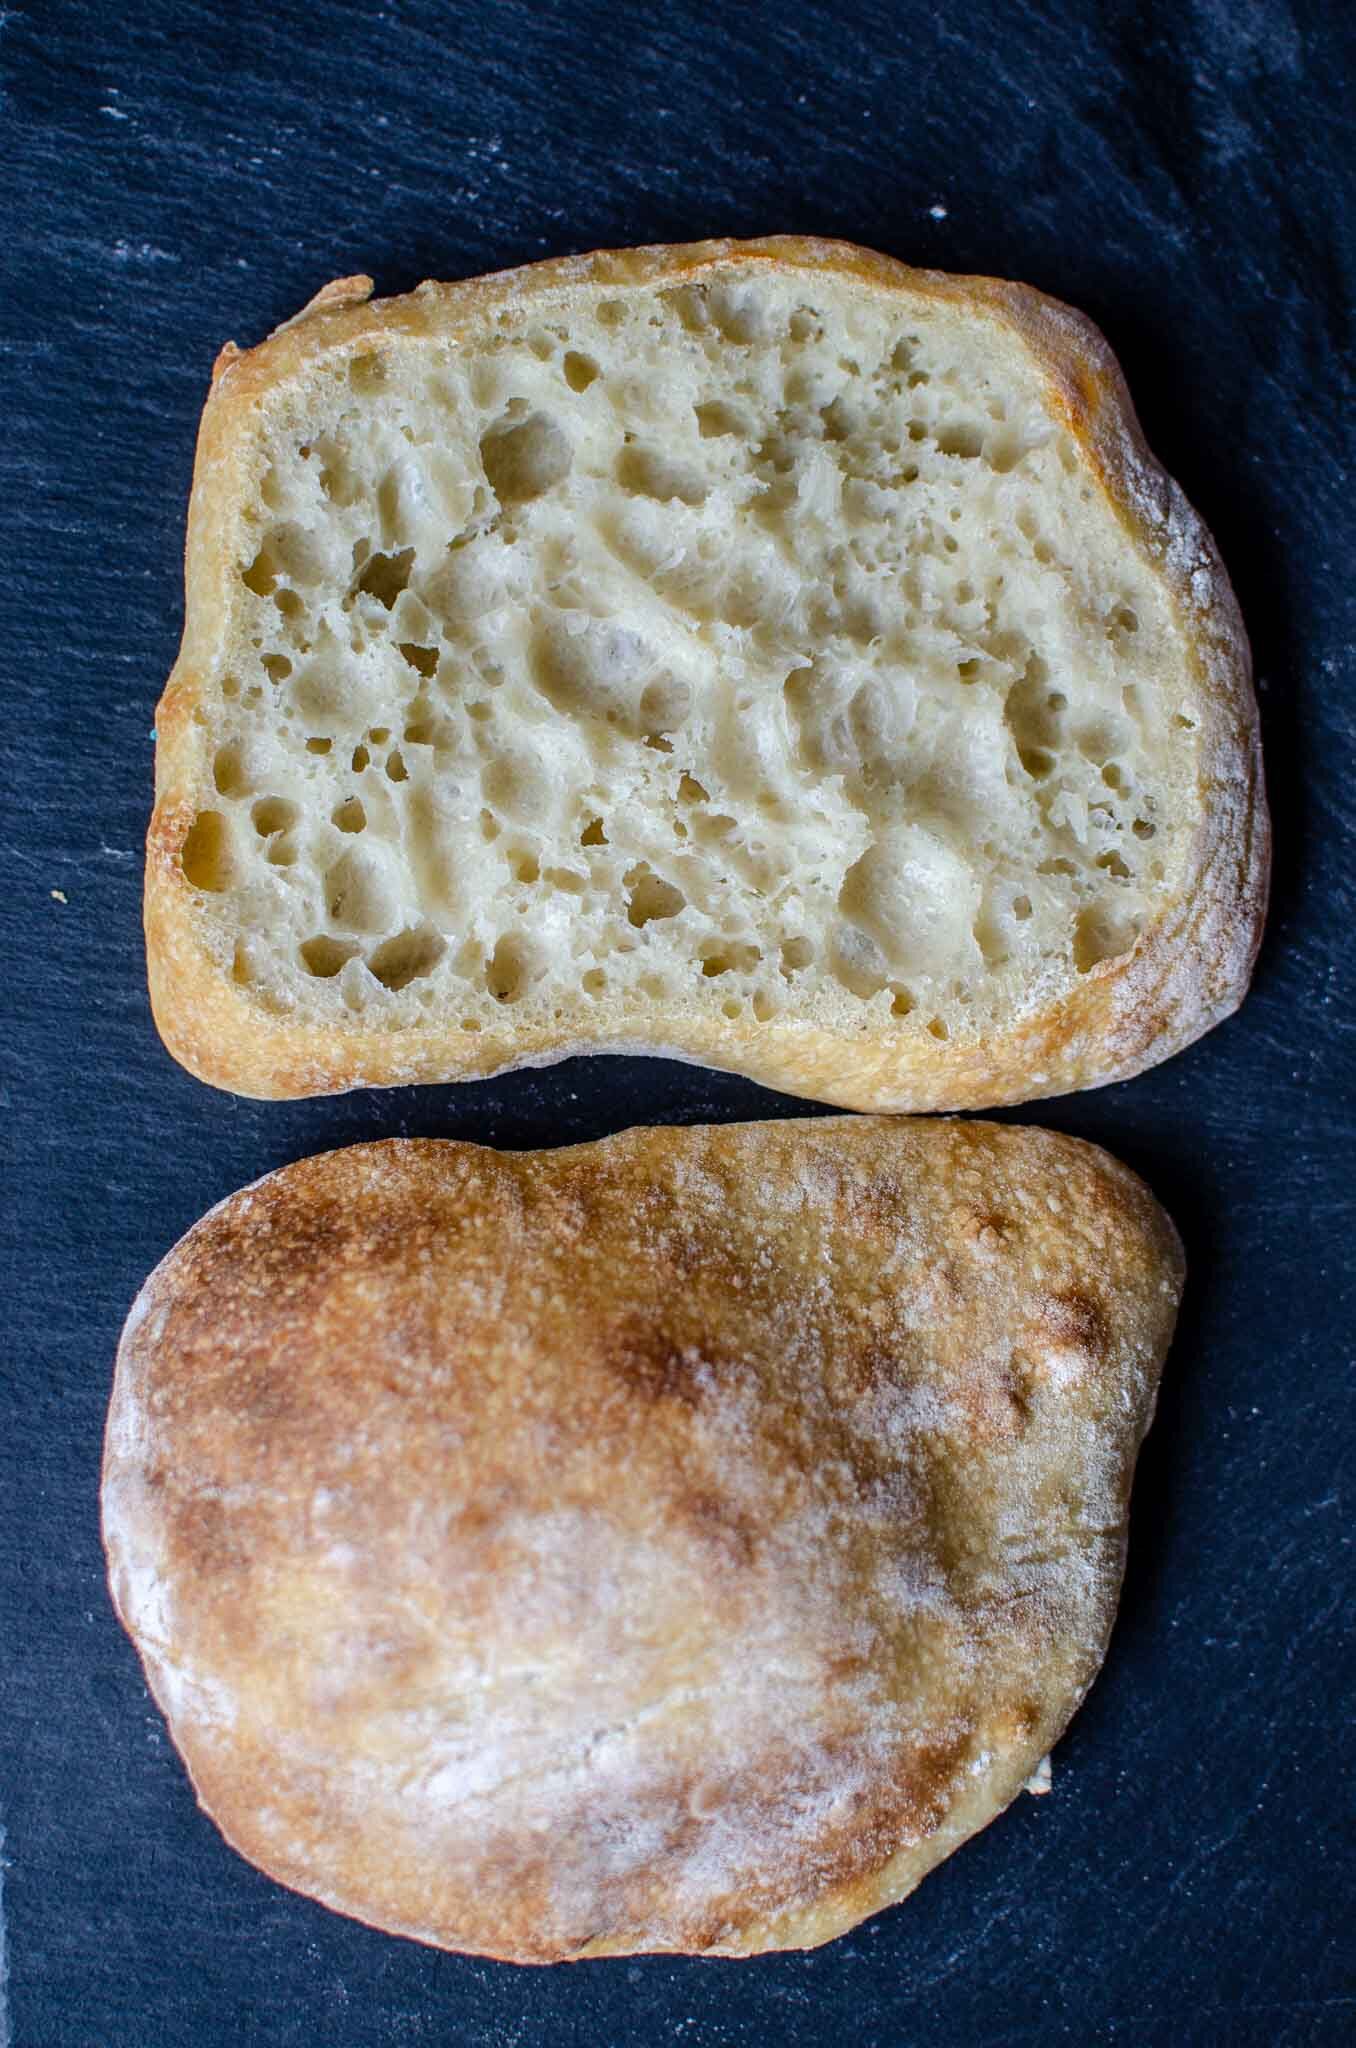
174	174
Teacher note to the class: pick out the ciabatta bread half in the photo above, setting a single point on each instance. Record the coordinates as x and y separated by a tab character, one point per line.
760	652
681	1542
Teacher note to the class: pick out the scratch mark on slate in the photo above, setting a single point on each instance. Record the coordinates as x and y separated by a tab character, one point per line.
6	2032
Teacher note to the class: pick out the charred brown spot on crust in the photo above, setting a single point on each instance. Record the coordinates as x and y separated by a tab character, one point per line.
985	1230
265	1396
939	1296
1017	1722
683	1251
866	1368
652	1364
927	1781
1071	1318
995	1403
862	1200
1018	1380
204	1539
719	1525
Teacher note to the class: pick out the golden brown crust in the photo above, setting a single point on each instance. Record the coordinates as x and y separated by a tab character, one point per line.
680	1543
1188	970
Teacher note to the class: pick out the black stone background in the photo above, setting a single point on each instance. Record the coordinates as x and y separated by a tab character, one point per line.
175	173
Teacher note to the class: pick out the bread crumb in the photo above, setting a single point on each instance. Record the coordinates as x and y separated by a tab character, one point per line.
1040	1780
58	895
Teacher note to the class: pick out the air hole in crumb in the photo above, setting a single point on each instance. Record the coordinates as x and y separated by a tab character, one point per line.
228	772
651	897
512	968
273	814
367	373
937	1027
1036	762
652	474
1098	937
857	960
594	982
525	459
580	370
206	856
715	419
422	659
230	688
1021	908
593	833
960	437
1183	723
350	815
525	866
361	757
716	963
1114	865
796	953
324	956
356	897
764	1008
278	667
664	704
395	766
489	826
385	576
691	791
281	851
407	957
1142	829
610	313
261	576
1113	775
901	1003
242	974
967	670
731	1007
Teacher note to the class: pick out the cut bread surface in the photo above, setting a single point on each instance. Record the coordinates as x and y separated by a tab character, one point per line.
739	654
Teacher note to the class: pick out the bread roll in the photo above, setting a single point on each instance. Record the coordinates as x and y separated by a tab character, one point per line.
758	652
681	1542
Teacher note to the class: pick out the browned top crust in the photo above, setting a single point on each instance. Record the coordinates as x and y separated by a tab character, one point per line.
1188	969
680	1542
